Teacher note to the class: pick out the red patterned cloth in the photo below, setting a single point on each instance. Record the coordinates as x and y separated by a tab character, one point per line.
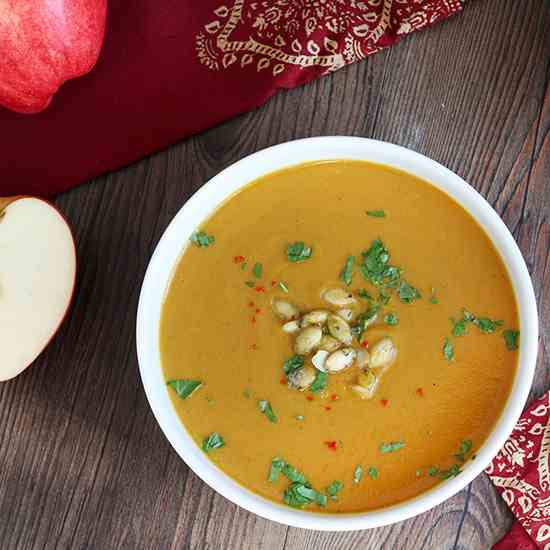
521	474
170	68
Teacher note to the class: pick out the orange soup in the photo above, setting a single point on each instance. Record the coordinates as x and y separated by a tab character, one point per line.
339	336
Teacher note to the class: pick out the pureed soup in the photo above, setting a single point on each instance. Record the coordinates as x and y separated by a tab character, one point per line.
339	336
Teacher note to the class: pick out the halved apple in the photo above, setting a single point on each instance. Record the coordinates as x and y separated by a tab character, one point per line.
37	277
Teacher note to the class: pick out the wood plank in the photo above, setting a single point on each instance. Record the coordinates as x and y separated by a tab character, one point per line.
83	463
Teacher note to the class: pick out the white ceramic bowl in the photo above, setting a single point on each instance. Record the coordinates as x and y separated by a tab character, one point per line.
201	206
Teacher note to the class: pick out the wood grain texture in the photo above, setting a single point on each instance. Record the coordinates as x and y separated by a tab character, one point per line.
83	463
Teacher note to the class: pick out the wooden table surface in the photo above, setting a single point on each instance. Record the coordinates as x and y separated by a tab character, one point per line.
83	464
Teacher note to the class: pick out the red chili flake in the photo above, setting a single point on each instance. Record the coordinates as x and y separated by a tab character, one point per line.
253	319
328	408
419	392
259	289
384	402
364	344
309	397
258	310
273	283
238	259
283	381
334	397
332	445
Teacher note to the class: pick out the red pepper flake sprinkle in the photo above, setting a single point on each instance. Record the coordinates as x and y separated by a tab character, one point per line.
328	408
384	402
283	381
258	310
273	283
259	289
419	392
364	344
332	445
238	259
333	397
309	397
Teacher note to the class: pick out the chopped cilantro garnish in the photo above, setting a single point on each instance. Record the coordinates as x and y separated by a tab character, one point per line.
433	471
433	297
347	271
391	319
201	239
247	394
459	327
250	284
299	495
184	388
511	338
357	474
277	465
448	350
407	293
298	252
375	266
244	265
334	488
257	270
468	316
320	382
453	471
373	472
365	295
465	448
376	213
418	473
364	320
213	441
487	325
384	298
265	407
294	363
282	286
391	447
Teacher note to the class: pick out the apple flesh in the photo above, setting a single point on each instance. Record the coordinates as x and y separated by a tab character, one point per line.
37	277
44	43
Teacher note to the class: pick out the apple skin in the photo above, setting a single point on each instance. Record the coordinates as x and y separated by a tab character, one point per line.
44	43
4	203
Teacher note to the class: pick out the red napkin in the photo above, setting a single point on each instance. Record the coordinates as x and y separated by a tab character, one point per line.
170	68
521	474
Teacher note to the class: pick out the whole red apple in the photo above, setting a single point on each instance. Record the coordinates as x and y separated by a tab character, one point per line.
44	43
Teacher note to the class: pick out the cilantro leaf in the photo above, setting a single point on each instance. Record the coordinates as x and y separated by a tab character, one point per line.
448	350
487	325
213	441
346	274
375	266
299	495
511	338
334	488
298	252
365	295
373	472
376	213
453	471
384	298
407	293
277	465
257	270
433	297
250	284
320	382
201	239
459	327
294	363
364	320
465	448
357	474
391	319
391	447
184	388
265	407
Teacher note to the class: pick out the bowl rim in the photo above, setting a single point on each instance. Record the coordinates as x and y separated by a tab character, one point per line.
201	205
